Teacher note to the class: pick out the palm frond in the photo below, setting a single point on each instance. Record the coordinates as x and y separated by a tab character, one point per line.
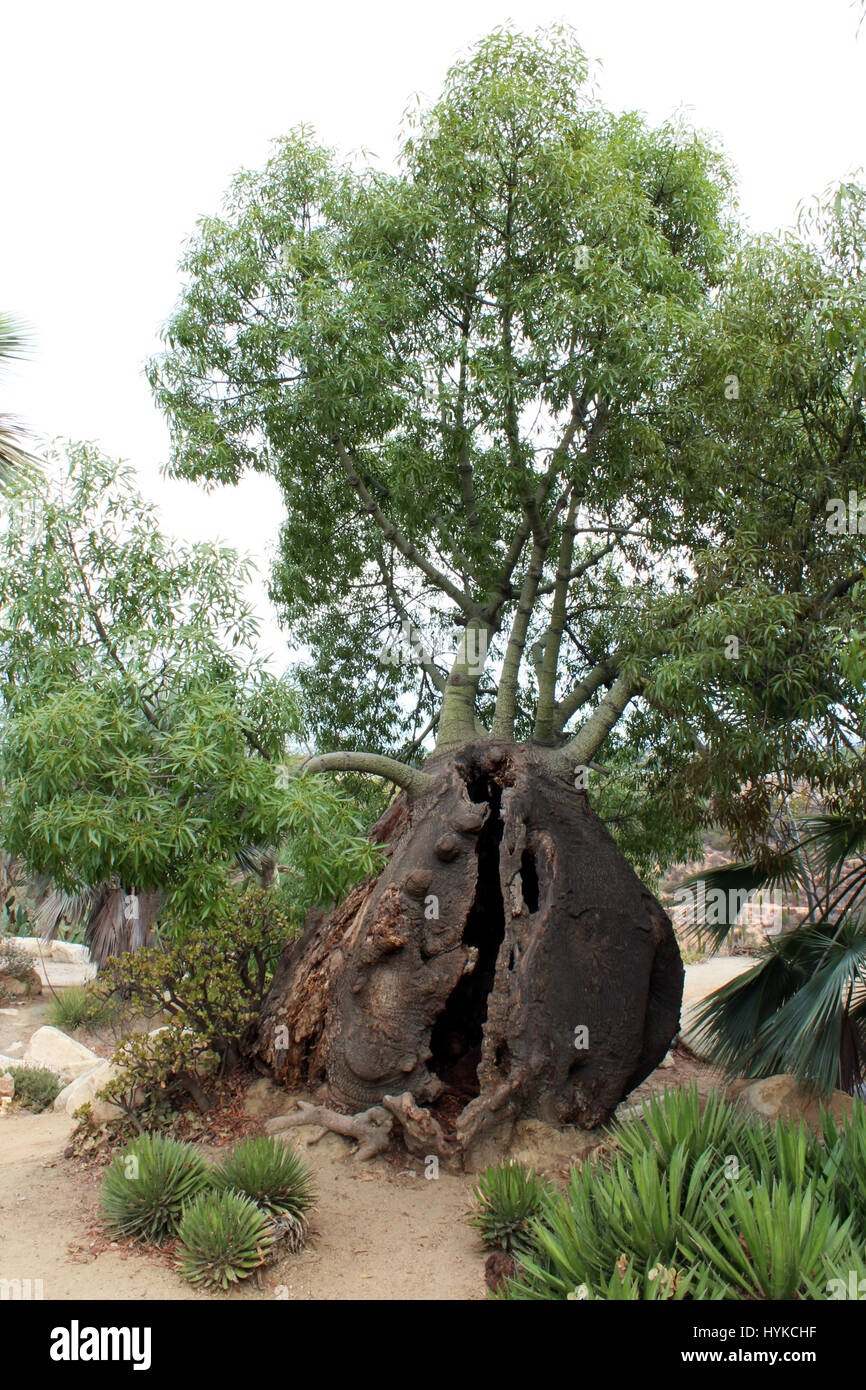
735	883
795	1011
16	462
833	839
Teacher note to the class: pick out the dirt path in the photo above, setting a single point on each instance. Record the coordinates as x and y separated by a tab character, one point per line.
378	1233
381	1229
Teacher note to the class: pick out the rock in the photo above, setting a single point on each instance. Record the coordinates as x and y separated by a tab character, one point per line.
30	945
784	1098
83	1090
70	953
27	988
16	1049
49	1047
7	1092
7	1061
61	976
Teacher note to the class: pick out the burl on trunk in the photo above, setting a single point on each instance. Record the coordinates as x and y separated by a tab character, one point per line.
507	962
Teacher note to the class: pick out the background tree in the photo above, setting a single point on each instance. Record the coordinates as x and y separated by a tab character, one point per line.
543	414
142	740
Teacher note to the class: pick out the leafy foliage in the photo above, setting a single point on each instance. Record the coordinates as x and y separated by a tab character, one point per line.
144	742
273	1175
211	984
703	1202
16	463
35	1087
454	368
145	1189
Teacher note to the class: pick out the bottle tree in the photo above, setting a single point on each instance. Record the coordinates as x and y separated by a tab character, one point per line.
527	402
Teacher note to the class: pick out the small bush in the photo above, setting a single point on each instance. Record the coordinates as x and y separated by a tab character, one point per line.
270	1173
80	1006
703	1201
212	986
509	1197
224	1237
15	963
145	1188
35	1087
771	1241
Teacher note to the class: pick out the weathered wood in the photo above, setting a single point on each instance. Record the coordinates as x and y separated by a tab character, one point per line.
507	962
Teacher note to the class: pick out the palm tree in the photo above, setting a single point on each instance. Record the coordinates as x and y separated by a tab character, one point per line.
15	461
802	1009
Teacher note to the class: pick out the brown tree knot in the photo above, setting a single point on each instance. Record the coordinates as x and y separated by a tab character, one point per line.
447	847
418	882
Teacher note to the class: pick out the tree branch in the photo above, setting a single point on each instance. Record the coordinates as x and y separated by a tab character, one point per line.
591	735
396	537
411	779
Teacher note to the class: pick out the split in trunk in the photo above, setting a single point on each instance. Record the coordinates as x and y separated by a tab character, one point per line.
507	962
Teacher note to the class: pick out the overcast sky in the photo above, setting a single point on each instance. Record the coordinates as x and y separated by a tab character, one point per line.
122	124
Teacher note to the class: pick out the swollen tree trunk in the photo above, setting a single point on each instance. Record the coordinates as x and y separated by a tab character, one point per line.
507	962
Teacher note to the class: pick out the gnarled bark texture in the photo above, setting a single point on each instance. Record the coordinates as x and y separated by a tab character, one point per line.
507	962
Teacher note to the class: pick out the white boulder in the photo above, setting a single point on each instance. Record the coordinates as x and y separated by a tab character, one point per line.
70	953
82	1091
49	1047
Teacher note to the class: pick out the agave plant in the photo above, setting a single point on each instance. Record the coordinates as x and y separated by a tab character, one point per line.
509	1197
271	1173
802	1008
224	1238
146	1187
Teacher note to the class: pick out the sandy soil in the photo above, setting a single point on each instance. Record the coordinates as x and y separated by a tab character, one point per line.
381	1229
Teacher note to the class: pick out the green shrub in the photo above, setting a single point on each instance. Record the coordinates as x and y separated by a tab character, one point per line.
681	1118
771	1241
655	1281
145	1188
212	986
270	1173
15	963
35	1087
224	1237
80	1006
154	1070
667	1214
509	1197
845	1165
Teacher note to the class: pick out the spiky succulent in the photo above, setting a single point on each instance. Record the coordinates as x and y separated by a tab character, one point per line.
146	1187
509	1198
269	1172
224	1238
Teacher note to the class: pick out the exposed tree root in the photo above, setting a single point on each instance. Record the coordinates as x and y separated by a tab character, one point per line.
371	1129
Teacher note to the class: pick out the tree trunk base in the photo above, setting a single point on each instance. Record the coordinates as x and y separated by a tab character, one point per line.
507	963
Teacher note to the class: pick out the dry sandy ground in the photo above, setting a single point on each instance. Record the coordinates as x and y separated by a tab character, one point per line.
381	1229
378	1233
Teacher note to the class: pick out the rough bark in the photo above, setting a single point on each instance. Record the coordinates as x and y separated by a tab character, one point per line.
507	962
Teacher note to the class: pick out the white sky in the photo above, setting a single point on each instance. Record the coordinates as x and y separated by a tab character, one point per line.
123	124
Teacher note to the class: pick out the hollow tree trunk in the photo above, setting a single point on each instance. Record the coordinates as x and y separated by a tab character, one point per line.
507	962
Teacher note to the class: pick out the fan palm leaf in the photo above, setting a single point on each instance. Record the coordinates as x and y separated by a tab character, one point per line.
16	463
